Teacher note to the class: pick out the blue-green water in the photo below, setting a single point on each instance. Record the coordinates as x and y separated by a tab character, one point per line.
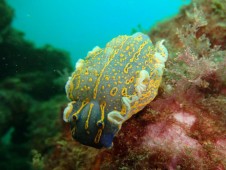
77	26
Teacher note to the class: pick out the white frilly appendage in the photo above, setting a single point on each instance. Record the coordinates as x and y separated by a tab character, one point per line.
95	49
79	64
67	112
162	55
116	118
140	87
161	51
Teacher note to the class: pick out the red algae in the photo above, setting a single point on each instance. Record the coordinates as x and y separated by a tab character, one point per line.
169	141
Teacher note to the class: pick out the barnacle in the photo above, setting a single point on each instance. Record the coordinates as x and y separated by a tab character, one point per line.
112	84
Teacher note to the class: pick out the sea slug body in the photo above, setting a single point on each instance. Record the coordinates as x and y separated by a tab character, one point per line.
112	84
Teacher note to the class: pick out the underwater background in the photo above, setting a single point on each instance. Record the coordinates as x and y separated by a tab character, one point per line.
183	128
86	24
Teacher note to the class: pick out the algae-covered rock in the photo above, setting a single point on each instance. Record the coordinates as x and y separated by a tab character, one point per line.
46	122
6	14
15	107
30	79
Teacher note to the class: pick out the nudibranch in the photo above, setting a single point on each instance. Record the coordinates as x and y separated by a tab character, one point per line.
112	84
